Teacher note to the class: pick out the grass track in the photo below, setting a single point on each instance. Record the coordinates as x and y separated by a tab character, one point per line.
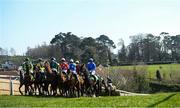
154	100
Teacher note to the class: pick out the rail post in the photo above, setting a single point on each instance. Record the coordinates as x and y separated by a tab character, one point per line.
11	87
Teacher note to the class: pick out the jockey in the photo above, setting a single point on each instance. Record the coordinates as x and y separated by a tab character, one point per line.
72	68
91	66
64	66
40	67
77	67
28	67
54	65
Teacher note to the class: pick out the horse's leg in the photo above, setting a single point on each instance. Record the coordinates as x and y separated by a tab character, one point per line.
43	86
26	89
78	90
74	92
82	89
21	84
100	88
35	88
67	91
46	88
51	90
92	89
53	87
39	89
31	90
97	88
60	89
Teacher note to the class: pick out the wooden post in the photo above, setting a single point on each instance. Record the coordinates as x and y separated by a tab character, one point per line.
11	87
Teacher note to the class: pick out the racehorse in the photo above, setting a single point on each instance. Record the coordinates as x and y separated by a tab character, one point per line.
39	81
26	79
76	85
91	85
51	79
63	83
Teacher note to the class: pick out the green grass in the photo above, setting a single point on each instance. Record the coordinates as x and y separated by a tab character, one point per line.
166	69
154	100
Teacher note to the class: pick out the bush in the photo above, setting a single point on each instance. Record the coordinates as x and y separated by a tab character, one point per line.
161	87
133	81
137	81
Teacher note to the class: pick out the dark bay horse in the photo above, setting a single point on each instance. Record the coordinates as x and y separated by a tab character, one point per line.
27	81
38	83
91	85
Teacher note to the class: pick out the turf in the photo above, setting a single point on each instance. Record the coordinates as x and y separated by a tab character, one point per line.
154	100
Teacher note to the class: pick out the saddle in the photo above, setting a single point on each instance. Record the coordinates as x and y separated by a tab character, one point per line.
93	77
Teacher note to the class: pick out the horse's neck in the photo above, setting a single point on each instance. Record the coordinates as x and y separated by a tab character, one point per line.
86	75
63	77
48	69
21	75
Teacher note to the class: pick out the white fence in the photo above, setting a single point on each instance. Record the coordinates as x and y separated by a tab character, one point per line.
9	85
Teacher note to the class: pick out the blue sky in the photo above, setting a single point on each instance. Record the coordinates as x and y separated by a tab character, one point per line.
26	23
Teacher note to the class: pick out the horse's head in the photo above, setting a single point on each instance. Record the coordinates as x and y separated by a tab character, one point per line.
83	69
47	67
84	72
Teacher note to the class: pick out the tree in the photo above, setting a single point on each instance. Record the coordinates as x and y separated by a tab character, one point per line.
87	42
68	44
107	44
106	41
90	53
122	52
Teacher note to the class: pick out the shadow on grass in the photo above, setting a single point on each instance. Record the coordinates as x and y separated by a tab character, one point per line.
45	96
161	101
40	96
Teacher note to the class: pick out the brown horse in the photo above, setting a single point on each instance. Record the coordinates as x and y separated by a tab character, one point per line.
69	85
26	80
76	86
63	84
38	83
51	79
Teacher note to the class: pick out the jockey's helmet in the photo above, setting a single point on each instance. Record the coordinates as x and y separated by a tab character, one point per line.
91	60
77	62
63	59
53	59
71	61
40	59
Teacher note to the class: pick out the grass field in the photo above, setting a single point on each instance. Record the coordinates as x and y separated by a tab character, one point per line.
154	100
165	69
